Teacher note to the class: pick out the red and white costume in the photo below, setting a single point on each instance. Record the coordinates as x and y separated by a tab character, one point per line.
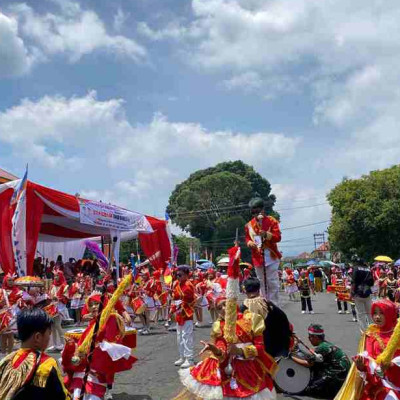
183	296
59	293
11	302
266	255
251	377
77	292
380	385
110	356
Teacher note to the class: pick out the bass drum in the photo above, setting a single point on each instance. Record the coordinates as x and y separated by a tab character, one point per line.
292	378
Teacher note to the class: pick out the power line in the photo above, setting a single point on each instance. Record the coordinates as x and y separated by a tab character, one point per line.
304	226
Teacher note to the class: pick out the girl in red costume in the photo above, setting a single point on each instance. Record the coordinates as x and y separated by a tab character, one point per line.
380	383
110	356
76	294
202	302
251	367
59	295
10	304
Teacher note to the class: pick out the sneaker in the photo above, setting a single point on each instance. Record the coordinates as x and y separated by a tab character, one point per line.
347	312
52	348
311	312
196	325
145	332
340	312
179	362
172	328
108	395
166	324
354	319
303	312
188	363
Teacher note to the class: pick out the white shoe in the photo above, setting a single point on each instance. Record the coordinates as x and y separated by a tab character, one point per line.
354	319
347	312
188	363
311	312
196	324
145	332
52	348
166	324
108	395
179	362
303	312
340	312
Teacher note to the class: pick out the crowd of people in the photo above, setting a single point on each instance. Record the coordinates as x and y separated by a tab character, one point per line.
107	313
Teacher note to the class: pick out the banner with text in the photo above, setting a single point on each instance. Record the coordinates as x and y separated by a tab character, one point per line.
112	217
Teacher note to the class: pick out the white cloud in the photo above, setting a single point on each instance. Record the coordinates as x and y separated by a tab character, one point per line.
15	58
71	32
119	19
133	165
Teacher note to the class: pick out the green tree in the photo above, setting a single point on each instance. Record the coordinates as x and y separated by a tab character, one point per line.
366	215
213	202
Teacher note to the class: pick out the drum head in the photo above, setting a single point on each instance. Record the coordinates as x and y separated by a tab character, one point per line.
292	378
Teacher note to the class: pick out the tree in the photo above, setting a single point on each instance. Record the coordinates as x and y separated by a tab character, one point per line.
366	215
213	202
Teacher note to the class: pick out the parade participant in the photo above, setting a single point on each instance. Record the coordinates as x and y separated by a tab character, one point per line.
340	282
202	302
262	235
76	294
305	293
382	284
383	382
149	289
10	305
328	362
110	356
318	280
361	284
183	296
291	285
278	332
240	370
214	291
391	285
160	296
59	295
29	373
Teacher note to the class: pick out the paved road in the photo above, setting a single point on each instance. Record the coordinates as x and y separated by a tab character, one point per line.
155	377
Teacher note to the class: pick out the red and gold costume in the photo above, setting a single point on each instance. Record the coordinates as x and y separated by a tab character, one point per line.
252	373
380	386
59	292
110	356
184	301
17	368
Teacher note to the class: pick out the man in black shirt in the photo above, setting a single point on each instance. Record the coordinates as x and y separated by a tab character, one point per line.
362	282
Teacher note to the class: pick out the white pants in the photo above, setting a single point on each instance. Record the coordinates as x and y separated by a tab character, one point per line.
185	339
270	288
57	332
363	308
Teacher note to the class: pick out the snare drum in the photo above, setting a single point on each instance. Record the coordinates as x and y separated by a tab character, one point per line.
130	337
138	305
74	334
292	378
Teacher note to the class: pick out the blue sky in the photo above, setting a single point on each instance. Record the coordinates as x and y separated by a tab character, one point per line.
122	100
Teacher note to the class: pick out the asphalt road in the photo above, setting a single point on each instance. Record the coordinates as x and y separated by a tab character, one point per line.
155	377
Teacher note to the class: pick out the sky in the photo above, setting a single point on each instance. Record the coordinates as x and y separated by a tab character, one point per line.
122	100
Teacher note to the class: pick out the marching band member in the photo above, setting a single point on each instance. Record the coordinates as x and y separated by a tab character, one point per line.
59	295
183	295
29	373
262	235
214	291
110	356
391	285
201	290
305	293
10	305
76	294
382	284
380	382
241	370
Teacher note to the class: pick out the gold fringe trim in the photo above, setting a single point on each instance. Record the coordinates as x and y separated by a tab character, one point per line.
230	321
85	346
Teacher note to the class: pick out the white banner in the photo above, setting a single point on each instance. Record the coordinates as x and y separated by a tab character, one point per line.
112	217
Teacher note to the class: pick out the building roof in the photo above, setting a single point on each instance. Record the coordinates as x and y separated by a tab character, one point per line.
6	176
